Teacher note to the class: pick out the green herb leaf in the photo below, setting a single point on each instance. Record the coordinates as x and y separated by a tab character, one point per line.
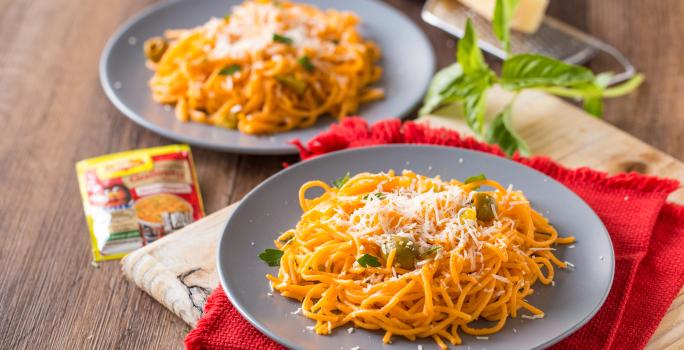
271	256
593	103
226	17
474	90
435	97
305	62
603	79
281	39
529	71
501	23
339	182
502	133
466	82
469	55
432	250
378	195
624	88
228	70
368	260
293	83
470	90
287	240
478	177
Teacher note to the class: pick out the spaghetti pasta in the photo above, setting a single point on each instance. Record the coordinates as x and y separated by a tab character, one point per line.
415	256
270	66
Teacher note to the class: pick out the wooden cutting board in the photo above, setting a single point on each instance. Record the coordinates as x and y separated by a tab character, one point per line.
179	270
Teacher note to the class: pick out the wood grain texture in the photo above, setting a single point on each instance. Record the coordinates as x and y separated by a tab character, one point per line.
54	113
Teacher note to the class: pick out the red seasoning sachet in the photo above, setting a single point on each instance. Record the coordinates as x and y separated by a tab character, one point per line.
133	198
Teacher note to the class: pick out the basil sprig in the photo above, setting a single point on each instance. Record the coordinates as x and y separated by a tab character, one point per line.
228	70
501	23
271	256
340	181
467	82
478	177
368	260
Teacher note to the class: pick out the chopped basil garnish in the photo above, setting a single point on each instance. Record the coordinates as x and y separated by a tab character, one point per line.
286	240
341	181
378	195
432	250
368	260
228	70
474	178
305	62
281	39
271	256
299	86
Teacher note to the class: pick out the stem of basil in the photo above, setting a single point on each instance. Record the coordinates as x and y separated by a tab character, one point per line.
624	88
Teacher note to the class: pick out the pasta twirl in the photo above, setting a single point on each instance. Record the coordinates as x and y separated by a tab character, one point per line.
415	256
267	67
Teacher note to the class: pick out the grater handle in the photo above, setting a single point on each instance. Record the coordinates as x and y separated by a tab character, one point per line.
628	70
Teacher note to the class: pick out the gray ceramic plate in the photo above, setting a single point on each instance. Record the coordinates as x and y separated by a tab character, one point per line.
408	63
273	207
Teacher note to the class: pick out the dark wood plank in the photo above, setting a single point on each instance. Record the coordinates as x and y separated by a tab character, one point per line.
54	113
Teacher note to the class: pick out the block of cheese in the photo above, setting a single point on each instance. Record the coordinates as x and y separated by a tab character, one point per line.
527	17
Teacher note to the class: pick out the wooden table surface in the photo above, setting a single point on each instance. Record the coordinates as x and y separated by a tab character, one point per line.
54	113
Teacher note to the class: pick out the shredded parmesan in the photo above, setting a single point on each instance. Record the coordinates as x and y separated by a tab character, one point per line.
533	317
501	278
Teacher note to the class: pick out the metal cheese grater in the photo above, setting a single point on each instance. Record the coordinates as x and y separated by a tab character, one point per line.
554	38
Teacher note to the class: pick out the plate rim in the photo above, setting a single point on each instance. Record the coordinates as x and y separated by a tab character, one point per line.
229	291
107	86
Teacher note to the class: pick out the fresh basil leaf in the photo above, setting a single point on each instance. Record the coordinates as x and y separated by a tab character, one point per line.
474	103
529	71
603	79
378	195
228	70
339	182
436	97
291	82
593	102
432	250
465	82
478	177
594	106
469	55
282	39
368	260
305	62
502	133
501	23
287	240
470	90
624	88
271	256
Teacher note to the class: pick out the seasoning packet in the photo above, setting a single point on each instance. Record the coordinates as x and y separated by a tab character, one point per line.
133	198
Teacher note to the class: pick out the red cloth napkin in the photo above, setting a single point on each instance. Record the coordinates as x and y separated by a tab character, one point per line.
647	235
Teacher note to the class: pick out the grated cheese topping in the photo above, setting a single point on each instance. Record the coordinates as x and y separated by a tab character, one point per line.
430	212
251	26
